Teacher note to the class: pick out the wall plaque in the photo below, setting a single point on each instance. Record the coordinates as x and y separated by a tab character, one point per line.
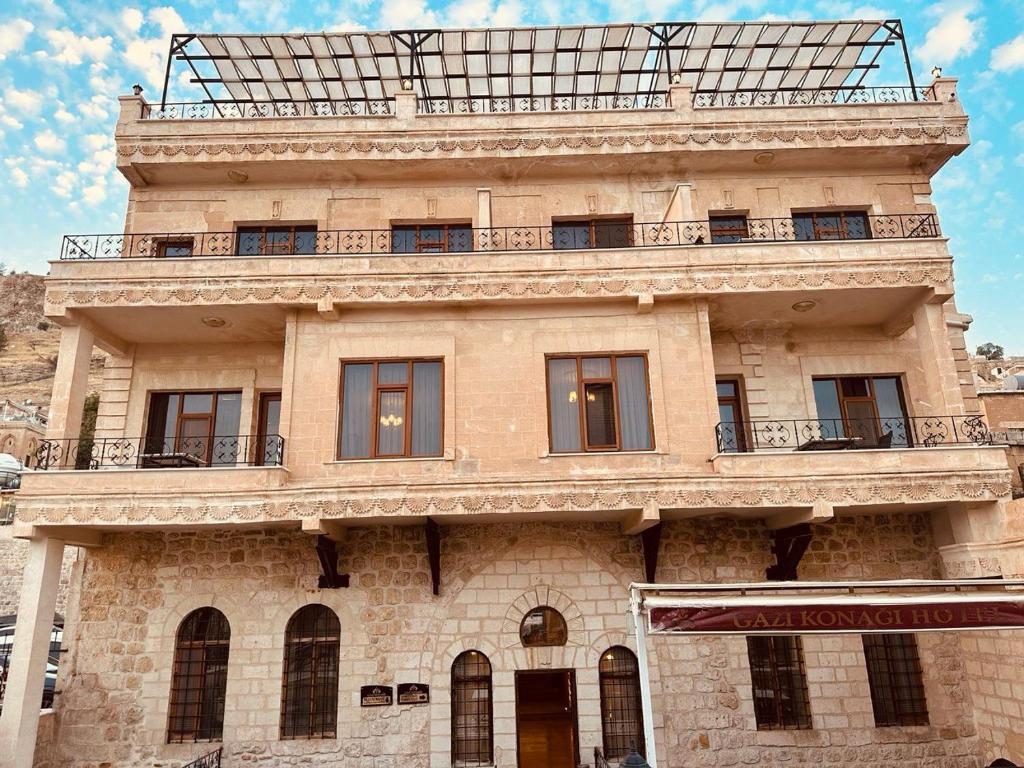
413	693
376	696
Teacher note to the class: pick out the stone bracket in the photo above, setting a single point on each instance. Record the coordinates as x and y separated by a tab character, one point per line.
650	539
327	553
788	547
433	533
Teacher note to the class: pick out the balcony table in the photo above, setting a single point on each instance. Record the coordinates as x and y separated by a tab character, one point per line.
830	444
170	460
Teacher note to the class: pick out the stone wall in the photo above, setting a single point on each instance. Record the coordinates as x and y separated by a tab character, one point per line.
136	590
13	554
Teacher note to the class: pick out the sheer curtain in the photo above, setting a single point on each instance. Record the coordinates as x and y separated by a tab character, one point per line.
634	403
357	411
426	409
563	406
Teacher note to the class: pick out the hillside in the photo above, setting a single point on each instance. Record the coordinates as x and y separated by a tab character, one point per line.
28	363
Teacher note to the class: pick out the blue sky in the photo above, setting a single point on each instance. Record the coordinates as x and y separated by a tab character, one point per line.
64	62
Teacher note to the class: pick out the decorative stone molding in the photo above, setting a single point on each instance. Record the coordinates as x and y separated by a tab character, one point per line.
621	494
762	135
506	286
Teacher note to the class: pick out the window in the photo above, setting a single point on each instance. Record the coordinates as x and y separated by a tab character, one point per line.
472	736
543	626
391	408
622	719
269	445
779	683
894	674
309	690
615	232
199	678
732	437
845	225
431	238
728	229
273	241
868	408
599	403
192	429
174	247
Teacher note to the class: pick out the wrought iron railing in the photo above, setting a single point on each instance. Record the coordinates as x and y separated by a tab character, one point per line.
344	242
566	103
753	97
158	453
209	760
851	434
226	110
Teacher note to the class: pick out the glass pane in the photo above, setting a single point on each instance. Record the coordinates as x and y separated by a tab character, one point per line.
634	404
826	401
855	387
198	402
893	421
726	388
403	239
460	239
570	235
194	437
856	226
277	241
612	234
392	373
269	429
163	422
305	240
861	422
272	417
597	367
174	249
803	226
248	242
728	229
357	410
391	424
426	409
563	405
600	415
728	428
226	445
543	626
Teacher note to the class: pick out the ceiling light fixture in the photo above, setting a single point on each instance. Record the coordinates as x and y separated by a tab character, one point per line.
214	322
240	177
763	158
804	306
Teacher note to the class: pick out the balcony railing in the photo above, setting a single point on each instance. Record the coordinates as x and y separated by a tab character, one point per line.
821	97
147	453
851	434
567	103
209	760
362	242
246	110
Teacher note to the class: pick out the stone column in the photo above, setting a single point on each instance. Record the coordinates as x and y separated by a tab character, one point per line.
484	236
291	334
70	382
405	104
19	721
942	395
680	206
708	372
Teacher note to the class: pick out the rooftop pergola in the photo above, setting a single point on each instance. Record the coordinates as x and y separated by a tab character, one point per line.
628	61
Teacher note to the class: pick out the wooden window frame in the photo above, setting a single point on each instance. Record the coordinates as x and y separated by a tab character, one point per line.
263	399
198	733
842	232
737	401
173	241
377	388
795	684
593	222
871	398
279	249
425	246
547	611
212	414
317	699
581	384
741	231
479	760
894	703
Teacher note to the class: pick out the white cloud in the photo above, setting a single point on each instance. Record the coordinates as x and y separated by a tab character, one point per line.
19	177
407	13
63	116
148	54
95	193
95	141
1009	56
69	48
95	108
48	141
955	34
12	36
64	183
131	20
27	101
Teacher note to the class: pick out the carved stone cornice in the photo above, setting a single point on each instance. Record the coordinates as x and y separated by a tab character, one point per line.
493	143
380	504
476	287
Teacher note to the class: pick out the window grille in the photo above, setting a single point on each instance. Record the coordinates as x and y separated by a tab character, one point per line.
621	713
894	675
472	736
199	677
543	626
779	683
309	689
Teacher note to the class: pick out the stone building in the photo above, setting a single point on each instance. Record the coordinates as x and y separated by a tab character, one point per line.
425	346
22	427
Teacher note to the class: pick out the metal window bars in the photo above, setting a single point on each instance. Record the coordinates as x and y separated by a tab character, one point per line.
309	685
199	678
472	731
621	711
544	237
781	700
895	680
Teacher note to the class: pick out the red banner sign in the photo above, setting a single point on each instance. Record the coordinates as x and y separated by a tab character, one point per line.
830	618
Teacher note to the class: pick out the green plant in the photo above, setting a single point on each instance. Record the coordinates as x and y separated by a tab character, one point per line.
990	351
87	433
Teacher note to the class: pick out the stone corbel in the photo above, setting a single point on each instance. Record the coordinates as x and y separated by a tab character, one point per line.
106	340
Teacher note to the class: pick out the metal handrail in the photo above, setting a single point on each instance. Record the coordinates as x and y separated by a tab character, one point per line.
799	97
460	240
234	110
824	434
443	105
209	760
160	453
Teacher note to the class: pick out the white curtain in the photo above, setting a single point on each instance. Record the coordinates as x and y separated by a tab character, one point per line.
563	406
634	404
426	409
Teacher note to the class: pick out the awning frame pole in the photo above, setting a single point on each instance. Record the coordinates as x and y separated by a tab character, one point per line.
645	677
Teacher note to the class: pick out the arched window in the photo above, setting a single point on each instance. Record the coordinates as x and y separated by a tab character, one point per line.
472	736
309	689
543	626
199	677
622	720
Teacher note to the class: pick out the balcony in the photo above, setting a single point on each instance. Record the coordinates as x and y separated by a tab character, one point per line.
852	434
737	230
145	453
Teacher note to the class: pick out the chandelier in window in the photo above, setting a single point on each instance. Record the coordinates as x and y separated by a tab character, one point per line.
391	420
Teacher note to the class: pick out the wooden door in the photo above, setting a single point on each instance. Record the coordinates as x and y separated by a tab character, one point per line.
546	719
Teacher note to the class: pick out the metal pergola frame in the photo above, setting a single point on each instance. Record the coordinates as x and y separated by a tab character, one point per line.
613	60
642	597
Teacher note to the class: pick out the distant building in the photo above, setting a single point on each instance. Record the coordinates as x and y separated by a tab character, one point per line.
22	427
